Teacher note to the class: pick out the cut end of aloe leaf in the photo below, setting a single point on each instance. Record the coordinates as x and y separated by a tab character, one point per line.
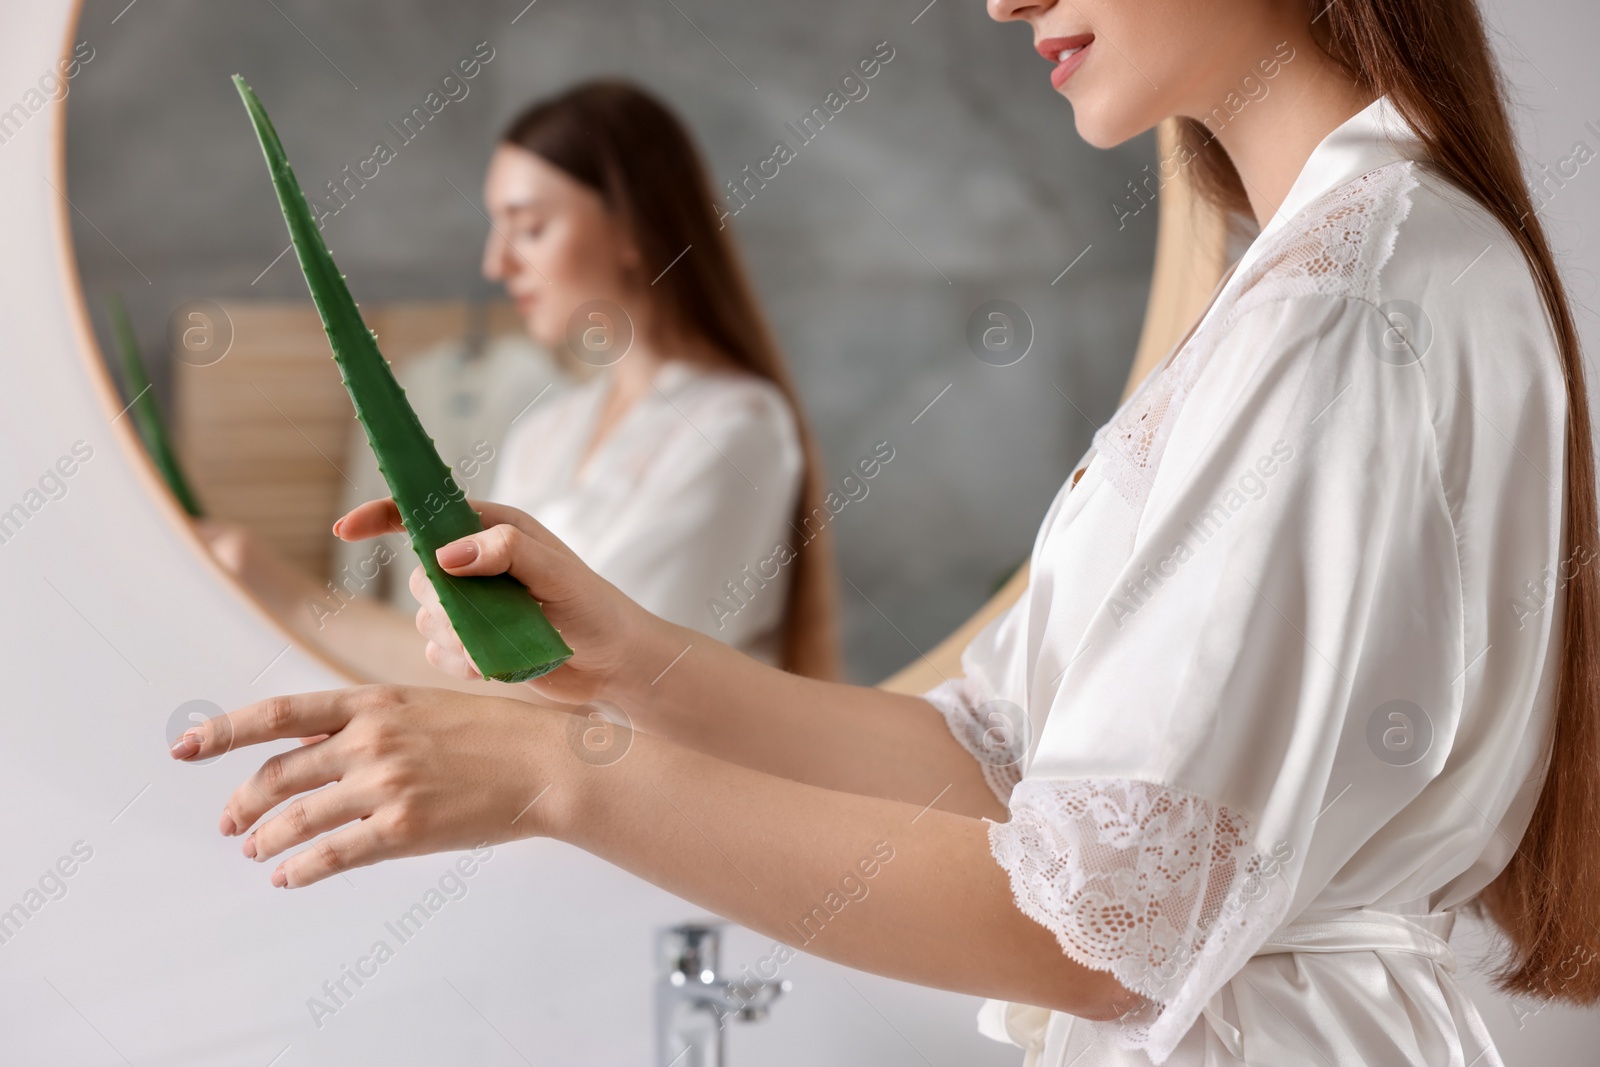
498	620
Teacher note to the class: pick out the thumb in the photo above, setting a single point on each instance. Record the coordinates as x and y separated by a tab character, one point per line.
505	549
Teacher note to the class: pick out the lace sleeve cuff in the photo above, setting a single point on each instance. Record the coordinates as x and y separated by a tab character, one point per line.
1163	890
993	731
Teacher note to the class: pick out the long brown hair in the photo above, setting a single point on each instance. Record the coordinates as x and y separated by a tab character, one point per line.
625	144
1432	58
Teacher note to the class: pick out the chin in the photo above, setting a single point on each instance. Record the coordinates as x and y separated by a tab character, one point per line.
538	330
1104	126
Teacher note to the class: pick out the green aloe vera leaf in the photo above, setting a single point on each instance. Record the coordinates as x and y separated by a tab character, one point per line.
146	416
499	623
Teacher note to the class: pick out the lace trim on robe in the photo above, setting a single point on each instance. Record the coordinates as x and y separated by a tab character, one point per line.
1163	890
995	732
1338	244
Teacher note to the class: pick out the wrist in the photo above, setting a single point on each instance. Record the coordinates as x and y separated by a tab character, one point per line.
654	646
585	763
557	775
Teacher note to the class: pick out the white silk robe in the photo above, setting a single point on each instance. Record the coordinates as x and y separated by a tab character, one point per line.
1276	699
684	503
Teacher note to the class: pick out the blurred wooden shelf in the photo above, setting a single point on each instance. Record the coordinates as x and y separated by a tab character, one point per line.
262	431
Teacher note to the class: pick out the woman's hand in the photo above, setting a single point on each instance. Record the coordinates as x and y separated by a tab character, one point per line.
232	544
407	771
423	770
284	588
603	627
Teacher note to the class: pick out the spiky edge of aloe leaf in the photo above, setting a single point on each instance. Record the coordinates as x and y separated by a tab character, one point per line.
146	416
432	505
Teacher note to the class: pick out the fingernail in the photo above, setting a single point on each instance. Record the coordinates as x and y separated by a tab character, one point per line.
280	879
338	523
186	746
457	554
226	824
249	847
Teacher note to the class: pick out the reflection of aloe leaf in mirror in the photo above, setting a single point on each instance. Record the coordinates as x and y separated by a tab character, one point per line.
142	404
499	623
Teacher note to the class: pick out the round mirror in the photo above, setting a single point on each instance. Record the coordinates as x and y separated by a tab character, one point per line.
956	281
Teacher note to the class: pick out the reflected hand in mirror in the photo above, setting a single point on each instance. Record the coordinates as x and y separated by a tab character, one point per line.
367	637
279	584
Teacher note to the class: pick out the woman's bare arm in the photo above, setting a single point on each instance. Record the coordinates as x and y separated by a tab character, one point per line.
700	693
791	861
900	889
680	684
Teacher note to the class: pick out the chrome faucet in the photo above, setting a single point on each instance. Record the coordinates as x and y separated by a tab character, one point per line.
694	1002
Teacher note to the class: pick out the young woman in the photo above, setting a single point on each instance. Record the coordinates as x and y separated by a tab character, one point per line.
1306	663
679	467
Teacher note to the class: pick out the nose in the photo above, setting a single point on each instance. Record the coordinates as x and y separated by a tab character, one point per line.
1017	10
496	254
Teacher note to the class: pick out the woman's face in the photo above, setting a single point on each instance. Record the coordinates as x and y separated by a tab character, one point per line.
552	243
1145	60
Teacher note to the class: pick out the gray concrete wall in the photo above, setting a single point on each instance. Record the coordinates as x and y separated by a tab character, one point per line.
957	179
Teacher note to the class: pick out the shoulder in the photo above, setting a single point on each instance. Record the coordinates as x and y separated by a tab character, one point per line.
731	422
740	402
1401	309
1461	268
1425	275
1483	335
1402	231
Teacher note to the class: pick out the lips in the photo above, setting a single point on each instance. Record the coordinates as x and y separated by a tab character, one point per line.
1075	50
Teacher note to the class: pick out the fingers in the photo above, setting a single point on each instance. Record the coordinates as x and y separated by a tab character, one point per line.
372	519
444	649
226	541
382	516
508	549
306	818
377	517
282	776
297	715
356	846
422	588
452	659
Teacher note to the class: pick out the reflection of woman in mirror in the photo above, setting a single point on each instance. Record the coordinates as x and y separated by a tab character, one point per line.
677	469
1308	660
